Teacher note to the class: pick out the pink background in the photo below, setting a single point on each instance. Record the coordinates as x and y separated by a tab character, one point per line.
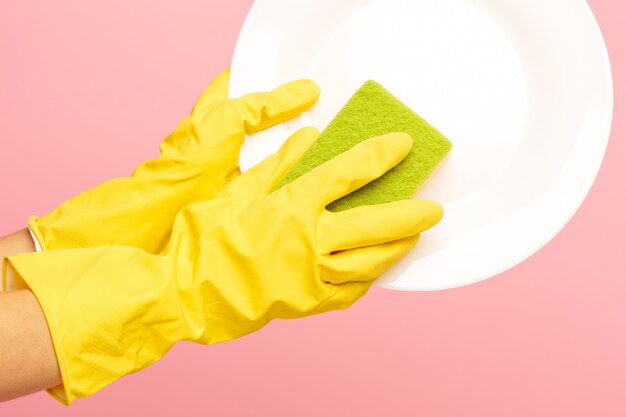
88	89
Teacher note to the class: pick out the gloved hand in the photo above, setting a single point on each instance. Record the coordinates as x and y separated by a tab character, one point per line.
232	264
196	160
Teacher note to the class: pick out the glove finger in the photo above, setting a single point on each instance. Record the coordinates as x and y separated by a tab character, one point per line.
258	111
366	263
263	110
351	170
262	178
224	127
375	224
215	93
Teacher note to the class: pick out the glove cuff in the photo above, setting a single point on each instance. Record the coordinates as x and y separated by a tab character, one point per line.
111	311
50	237
12	273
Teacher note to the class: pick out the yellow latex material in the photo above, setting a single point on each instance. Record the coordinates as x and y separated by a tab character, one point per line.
196	160
232	264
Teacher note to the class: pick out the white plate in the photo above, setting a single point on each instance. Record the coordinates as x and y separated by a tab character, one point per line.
522	88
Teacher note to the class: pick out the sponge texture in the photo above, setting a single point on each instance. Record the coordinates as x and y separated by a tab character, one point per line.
373	111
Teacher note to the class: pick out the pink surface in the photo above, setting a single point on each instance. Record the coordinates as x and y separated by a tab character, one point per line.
88	89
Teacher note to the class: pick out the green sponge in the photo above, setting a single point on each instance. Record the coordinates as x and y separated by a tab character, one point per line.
373	111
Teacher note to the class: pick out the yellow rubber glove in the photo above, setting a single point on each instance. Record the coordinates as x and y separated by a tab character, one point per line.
196	160
232	264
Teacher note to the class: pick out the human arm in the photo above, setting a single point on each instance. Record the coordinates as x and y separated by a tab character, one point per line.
16	242
27	357
27	360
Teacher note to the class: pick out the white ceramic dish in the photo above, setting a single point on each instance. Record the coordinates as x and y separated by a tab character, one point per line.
523	89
